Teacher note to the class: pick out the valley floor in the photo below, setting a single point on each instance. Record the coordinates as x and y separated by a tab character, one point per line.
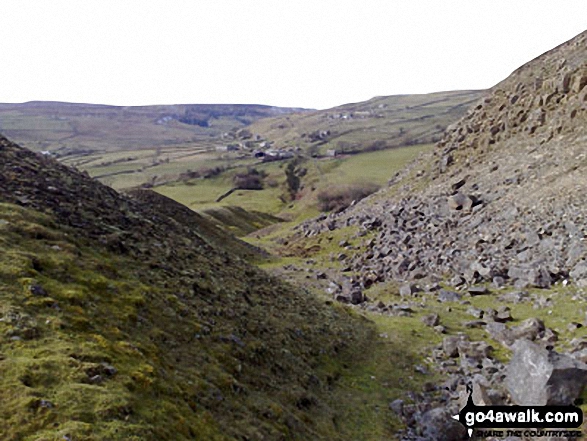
385	389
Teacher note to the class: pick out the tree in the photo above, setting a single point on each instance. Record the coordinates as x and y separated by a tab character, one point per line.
292	179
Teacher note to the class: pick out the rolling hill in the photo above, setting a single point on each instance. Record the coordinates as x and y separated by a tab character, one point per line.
126	147
376	124
128	320
71	128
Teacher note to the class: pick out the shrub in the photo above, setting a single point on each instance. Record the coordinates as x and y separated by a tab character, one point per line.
272	183
340	197
251	180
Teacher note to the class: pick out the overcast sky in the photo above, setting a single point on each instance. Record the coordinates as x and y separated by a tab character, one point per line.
300	53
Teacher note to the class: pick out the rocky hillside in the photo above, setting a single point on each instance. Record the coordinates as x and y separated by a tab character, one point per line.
122	322
499	200
489	226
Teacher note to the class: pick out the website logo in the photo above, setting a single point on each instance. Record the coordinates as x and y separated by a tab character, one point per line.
534	421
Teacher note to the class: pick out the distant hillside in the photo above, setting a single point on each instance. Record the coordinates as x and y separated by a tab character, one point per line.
66	127
130	146
382	122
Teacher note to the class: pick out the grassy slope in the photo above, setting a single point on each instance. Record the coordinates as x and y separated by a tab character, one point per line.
203	345
212	229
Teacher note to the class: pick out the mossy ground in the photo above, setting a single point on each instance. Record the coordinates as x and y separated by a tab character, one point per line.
89	319
93	347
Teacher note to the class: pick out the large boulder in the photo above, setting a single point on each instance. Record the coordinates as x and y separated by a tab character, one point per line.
438	425
538	377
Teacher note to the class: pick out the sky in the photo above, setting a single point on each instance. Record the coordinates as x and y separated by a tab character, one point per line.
297	53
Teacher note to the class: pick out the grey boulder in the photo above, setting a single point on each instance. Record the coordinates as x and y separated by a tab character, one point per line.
538	377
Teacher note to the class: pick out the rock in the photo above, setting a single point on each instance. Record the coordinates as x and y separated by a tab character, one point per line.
459	201
549	336
538	377
475	312
438	425
530	276
96	379
403	310
408	289
440	329
498	282
397	406
342	298
321	275
450	345
482	393
474	324
421	369
445	161
457	281
529	329
431	320
477	290
579	271
333	288
503	315
455	186
477	350
578	344
38	290
448	296
573	326
357	296
351	293
489	314
514	297
500	333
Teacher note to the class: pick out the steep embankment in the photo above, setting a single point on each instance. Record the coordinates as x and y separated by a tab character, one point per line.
120	322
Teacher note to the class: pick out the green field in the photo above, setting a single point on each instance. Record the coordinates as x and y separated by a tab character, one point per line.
373	167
